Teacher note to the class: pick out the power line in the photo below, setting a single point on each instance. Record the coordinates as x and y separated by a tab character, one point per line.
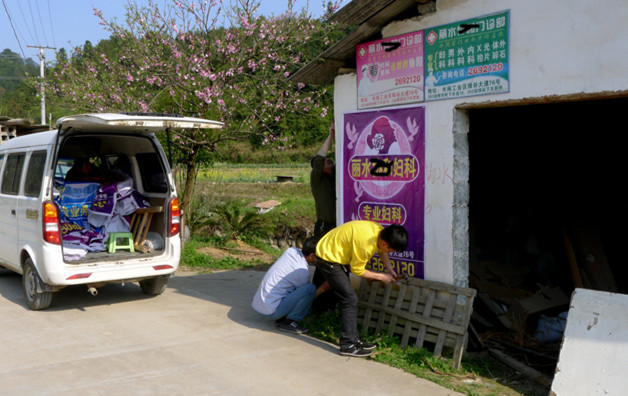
19	6
13	28
41	23
54	42
30	8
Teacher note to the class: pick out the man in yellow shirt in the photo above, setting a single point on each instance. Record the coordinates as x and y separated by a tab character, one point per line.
350	247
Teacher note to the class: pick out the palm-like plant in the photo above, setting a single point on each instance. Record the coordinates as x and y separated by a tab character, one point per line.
236	220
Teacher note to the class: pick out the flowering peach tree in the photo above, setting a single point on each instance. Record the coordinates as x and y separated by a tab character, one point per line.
206	59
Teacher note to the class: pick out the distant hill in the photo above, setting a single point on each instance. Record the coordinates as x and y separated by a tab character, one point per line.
18	99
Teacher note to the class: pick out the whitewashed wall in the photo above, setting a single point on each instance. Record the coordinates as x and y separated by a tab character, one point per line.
558	48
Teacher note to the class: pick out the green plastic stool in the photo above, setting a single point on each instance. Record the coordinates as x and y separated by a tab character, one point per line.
126	241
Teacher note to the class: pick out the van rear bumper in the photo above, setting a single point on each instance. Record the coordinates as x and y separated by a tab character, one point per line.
55	272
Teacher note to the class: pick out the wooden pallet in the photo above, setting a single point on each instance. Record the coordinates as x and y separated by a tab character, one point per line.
418	310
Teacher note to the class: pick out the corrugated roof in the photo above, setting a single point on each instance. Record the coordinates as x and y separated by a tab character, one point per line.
370	16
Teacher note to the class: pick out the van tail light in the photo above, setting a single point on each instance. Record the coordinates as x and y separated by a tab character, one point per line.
174	220
50	223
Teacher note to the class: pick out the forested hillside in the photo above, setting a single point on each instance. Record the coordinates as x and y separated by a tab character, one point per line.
18	97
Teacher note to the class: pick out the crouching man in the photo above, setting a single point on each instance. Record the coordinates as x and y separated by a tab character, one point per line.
285	293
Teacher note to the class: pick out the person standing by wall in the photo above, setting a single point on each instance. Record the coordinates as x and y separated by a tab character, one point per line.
323	186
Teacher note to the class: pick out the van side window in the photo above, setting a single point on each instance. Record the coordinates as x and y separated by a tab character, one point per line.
152	173
35	173
118	163
12	174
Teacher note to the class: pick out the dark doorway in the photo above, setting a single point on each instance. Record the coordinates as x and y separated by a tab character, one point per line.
546	215
538	173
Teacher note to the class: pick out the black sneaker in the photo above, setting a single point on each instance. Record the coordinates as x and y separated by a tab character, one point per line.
292	326
355	351
366	345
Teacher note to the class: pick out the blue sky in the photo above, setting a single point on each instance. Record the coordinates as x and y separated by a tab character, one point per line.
68	23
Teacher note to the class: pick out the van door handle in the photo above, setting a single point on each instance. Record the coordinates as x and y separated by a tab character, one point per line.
13	212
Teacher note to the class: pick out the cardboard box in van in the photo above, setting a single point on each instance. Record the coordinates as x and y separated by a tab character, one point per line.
90	203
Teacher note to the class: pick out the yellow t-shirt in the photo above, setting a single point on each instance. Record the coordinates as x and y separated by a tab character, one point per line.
352	243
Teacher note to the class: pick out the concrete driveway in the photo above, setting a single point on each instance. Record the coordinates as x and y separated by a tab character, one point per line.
199	338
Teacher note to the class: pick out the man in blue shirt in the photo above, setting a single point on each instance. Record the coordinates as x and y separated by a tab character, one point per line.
285	293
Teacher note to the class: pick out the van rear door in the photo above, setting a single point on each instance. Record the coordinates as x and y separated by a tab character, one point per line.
132	123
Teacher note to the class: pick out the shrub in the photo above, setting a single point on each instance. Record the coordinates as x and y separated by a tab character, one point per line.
235	220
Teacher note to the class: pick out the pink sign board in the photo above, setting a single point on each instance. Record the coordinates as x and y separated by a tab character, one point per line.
390	71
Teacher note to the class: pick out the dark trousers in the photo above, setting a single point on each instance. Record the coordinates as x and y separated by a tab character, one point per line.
328	301
341	285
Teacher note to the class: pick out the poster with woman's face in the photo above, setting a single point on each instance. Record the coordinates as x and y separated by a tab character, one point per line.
383	177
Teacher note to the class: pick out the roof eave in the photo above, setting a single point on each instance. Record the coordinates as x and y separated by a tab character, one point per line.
371	16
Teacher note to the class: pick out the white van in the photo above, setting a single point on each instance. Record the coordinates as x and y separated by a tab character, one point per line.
65	193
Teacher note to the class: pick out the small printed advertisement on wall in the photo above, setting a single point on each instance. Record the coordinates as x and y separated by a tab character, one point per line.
383	177
467	58
390	71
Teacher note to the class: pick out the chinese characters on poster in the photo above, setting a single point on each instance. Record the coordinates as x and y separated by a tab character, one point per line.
384	178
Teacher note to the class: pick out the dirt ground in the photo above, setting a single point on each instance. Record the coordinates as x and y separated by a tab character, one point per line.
244	251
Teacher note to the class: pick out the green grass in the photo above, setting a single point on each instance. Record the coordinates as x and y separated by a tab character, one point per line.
480	375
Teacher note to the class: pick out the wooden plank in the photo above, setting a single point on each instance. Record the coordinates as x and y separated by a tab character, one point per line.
438	348
384	303
499	312
522	368
593	261
362	292
458	351
427	312
398	304
442	287
369	312
545	299
412	309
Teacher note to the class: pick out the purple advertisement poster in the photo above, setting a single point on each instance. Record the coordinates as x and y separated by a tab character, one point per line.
383	178
390	71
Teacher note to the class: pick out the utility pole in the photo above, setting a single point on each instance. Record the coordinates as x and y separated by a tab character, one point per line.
42	58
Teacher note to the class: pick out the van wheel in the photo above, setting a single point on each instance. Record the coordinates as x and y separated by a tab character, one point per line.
30	277
154	286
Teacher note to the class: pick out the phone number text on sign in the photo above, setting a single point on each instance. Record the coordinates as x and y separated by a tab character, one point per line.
401	267
485	69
